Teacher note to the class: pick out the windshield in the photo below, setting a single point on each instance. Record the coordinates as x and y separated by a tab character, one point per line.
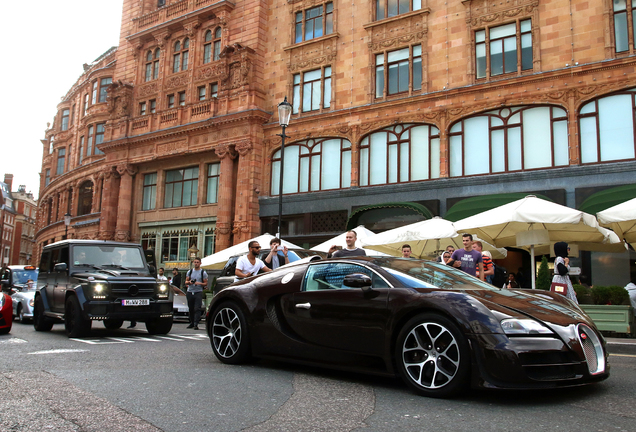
108	256
21	277
428	274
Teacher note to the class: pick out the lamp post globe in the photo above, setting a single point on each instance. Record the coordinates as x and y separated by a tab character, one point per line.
284	114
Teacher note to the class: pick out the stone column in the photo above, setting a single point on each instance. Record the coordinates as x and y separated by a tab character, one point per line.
110	192
124	202
246	221
226	197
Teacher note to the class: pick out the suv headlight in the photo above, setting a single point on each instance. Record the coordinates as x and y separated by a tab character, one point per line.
99	291
515	326
163	291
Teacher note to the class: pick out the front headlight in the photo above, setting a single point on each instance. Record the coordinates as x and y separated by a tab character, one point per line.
99	291
514	326
163	291
31	302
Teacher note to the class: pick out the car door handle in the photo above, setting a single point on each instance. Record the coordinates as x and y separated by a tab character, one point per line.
303	305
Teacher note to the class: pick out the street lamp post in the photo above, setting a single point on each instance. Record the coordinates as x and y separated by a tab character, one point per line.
192	252
284	113
67	222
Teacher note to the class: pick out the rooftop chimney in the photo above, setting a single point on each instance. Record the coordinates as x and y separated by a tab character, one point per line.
8	179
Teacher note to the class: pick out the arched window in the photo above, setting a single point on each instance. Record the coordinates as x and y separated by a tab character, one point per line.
607	128
509	139
313	165
180	56
152	64
85	198
212	45
399	154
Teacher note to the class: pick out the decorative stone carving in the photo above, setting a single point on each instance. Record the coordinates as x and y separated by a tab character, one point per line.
320	53
172	147
217	70
122	236
148	90
120	99
225	150
483	13
243	147
178	81
223	228
124	168
240	227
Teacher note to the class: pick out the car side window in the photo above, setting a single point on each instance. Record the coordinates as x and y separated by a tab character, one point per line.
331	275
45	262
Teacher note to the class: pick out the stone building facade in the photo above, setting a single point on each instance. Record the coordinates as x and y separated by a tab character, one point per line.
402	110
7	220
24	234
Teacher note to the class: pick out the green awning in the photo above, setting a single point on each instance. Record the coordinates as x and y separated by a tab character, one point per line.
471	206
608	198
352	222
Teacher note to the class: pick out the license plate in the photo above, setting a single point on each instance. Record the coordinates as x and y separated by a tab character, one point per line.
183	309
135	302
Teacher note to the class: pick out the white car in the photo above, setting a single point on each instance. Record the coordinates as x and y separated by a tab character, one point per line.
22	281
180	305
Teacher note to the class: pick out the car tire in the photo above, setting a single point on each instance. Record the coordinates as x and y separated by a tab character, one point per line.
432	356
40	322
229	334
74	323
159	326
19	314
113	324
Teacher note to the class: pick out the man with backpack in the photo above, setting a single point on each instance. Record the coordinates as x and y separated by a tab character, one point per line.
196	281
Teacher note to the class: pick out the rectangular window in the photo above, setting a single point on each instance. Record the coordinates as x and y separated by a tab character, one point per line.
182	98
181	187
213	183
142	108
85	104
94	93
312	90
314	23
103	88
391	8
174	245
65	117
171	101
99	137
89	142
506	49
47	177
148	75
398	71
208	248
176	62
81	150
201	91
214	90
150	192
153	106
72	115
61	156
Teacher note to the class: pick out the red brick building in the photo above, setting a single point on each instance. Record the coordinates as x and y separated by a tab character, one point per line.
402	110
7	220
24	234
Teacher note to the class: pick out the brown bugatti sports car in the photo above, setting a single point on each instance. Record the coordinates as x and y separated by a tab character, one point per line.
436	327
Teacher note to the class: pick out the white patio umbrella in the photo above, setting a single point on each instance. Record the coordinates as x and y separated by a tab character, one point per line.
532	221
622	219
340	240
217	260
427	239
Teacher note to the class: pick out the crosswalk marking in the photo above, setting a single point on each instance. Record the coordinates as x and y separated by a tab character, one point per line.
133	339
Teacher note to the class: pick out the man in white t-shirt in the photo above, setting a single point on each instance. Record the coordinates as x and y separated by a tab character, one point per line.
249	265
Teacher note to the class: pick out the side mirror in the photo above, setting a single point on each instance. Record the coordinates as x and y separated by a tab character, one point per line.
60	267
357	280
153	270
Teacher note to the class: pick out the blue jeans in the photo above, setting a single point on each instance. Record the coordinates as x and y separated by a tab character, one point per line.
195	300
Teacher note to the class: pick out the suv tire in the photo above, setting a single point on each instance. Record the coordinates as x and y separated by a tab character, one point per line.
113	324
41	322
159	326
74	323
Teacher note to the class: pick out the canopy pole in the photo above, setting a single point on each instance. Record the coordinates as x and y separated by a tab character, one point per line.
532	264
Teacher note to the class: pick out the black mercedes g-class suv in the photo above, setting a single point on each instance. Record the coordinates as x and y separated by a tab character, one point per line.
81	281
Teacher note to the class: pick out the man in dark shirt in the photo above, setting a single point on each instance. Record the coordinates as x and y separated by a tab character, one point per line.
176	278
351	249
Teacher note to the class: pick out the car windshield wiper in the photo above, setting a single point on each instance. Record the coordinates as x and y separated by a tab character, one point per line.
89	265
116	265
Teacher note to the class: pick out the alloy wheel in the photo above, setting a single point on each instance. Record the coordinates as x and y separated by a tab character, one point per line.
226	332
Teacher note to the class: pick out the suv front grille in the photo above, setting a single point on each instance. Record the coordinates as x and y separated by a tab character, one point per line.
133	289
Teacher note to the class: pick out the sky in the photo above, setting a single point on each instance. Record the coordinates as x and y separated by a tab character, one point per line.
45	45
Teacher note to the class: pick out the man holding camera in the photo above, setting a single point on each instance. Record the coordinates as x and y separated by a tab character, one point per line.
275	259
196	281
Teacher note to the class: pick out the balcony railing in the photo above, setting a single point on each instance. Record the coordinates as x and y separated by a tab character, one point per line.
169	116
170	12
204	108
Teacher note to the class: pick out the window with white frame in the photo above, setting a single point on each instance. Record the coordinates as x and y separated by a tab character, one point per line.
212	45
61	155
398	71
400	154
65	118
150	192
509	139
181	187
312	90
152	64
314	22
47	177
180	56
175	245
81	150
89	141
104	83
94	93
142	108
607	128
214	170
99	137
503	49
313	165
391	8
208	242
